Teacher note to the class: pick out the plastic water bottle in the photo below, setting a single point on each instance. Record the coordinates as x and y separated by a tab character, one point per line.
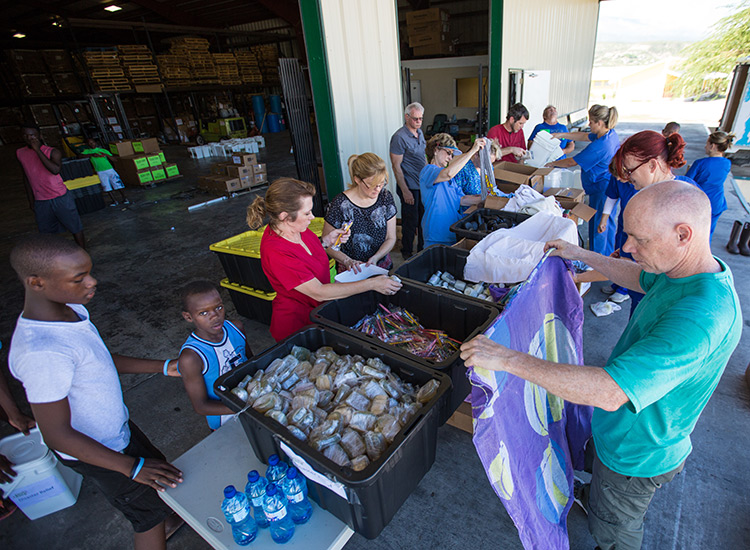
280	522
237	511
294	486
276	469
255	490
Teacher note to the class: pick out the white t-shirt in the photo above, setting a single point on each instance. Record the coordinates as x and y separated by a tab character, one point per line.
55	360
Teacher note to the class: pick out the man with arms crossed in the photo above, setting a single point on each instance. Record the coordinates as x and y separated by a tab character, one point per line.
664	368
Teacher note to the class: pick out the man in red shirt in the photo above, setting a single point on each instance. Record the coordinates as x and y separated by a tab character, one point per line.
53	206
509	134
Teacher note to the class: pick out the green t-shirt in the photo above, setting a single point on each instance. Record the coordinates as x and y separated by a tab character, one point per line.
100	163
668	362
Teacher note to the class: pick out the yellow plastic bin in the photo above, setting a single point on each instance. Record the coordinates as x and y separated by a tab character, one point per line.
251	303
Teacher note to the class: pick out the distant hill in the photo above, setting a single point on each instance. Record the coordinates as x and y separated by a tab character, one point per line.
618	54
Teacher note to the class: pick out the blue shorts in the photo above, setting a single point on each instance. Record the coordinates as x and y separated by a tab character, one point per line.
58	214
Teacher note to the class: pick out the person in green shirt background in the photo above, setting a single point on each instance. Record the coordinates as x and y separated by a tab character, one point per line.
663	370
109	177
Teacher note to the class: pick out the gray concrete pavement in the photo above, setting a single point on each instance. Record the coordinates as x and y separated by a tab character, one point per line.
140	263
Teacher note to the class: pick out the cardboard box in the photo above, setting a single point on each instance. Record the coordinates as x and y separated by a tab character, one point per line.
172	170
510	175
137	147
425	16
571	200
162	157
235	171
259	179
220	184
133	162
122	148
246	182
150	145
153	160
444	48
259	168
244	159
148	88
159	174
433	38
220	168
429	26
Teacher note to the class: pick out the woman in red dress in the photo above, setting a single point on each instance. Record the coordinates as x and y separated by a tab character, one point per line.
294	259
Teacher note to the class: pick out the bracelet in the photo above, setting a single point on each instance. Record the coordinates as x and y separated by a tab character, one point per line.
164	369
137	468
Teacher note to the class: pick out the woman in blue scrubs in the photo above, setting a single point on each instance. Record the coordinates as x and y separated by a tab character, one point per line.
594	162
442	195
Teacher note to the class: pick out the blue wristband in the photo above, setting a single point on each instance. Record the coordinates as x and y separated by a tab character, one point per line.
164	369
137	468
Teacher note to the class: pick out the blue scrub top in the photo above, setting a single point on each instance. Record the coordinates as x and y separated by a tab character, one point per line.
594	161
558	128
441	205
709	174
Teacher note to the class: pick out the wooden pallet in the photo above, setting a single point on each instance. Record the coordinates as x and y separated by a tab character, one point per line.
107	73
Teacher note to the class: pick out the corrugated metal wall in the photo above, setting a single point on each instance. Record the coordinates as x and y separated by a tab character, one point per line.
559	36
363	60
276	26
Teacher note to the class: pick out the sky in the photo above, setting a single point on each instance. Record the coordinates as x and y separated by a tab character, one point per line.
650	20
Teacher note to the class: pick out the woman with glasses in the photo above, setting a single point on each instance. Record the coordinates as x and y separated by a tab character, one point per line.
643	159
369	210
294	259
594	162
441	192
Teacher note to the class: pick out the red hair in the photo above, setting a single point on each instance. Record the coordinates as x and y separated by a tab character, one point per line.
648	145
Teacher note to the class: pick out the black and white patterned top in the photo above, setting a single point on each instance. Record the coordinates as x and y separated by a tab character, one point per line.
369	230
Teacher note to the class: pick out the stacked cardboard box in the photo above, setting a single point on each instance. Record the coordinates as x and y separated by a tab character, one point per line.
184	125
141	162
249	68
268	61
429	32
140	67
242	172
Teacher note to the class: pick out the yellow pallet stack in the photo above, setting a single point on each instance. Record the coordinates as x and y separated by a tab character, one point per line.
139	65
174	69
227	69
202	67
268	60
249	69
106	71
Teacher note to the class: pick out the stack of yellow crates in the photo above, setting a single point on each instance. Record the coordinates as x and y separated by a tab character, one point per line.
227	69
106	71
139	65
202	67
249	69
268	60
174	69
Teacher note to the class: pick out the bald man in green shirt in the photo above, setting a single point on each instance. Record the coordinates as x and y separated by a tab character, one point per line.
664	368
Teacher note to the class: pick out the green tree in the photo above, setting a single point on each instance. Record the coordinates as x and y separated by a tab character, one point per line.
719	53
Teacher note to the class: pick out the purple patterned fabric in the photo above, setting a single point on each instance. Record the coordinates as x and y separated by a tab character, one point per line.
530	441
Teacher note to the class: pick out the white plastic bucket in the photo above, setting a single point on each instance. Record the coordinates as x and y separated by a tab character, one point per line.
42	485
544	149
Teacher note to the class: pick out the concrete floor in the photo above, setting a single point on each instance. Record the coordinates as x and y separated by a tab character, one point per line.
144	253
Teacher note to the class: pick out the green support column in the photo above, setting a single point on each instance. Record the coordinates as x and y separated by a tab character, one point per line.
312	25
496	57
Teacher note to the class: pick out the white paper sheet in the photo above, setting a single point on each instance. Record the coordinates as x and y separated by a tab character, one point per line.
365	273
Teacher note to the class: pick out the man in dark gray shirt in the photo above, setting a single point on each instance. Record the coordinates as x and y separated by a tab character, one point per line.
408	159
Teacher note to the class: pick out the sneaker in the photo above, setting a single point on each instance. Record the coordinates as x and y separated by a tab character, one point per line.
578	486
126	201
619	297
608	290
115	204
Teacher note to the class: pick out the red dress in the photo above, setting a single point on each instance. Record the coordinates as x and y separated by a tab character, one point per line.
506	139
288	265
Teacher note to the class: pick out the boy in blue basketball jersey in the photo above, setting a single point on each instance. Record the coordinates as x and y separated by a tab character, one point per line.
215	347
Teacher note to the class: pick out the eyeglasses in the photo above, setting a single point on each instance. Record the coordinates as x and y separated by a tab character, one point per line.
376	186
449	151
629	171
416	117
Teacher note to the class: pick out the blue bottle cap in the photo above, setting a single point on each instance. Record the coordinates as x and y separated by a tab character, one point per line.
273	460
291	473
253	476
271	489
229	491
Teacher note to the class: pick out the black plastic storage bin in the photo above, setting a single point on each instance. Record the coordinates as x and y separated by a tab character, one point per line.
420	267
374	495
462	319
251	303
88	199
72	169
512	218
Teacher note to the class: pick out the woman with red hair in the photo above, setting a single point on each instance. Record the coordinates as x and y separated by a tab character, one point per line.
643	159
